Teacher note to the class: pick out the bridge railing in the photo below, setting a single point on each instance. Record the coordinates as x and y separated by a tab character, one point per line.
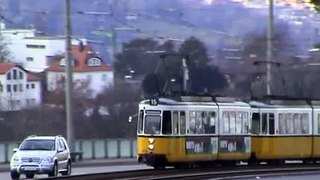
90	148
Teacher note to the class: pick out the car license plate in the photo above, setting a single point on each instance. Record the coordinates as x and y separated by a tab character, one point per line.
30	168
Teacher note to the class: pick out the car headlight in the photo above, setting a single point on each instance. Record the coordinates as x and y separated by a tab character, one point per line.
15	158
47	160
15	161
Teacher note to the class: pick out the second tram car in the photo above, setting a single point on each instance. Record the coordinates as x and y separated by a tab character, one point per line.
281	130
285	130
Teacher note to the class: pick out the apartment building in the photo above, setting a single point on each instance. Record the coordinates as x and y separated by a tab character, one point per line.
18	88
32	52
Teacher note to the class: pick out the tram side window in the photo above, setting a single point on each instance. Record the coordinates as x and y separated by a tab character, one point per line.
182	122
226	122
297	123
140	121
245	123
205	123
175	124
305	123
200	117
235	122
212	123
293	123
255	123
166	126
264	124
192	122
232	122
282	125
239	120
289	123
271	123
318	123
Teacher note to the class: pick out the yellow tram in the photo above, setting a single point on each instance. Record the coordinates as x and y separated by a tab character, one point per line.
187	130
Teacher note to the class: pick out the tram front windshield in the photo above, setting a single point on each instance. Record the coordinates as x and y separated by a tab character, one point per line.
152	124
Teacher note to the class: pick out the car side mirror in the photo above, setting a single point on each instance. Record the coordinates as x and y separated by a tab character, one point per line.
15	149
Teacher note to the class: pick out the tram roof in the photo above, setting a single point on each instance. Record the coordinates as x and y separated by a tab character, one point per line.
280	104
198	100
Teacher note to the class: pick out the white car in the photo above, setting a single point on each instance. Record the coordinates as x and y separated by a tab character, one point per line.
41	155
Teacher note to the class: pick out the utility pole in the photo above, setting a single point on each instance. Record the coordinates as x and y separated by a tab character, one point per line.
269	46
68	83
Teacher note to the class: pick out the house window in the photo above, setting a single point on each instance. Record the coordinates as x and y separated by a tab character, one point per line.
18	103
63	62
9	76
20	75
35	46
8	88
29	58
94	62
20	87
89	77
31	102
32	86
15	87
14	74
104	77
27	86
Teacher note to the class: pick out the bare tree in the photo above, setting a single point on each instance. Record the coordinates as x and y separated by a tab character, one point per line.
4	50
121	102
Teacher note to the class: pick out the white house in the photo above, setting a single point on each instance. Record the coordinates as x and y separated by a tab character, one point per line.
87	67
32	52
18	88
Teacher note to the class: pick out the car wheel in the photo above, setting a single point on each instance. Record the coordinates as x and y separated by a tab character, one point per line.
54	171
30	175
68	170
14	175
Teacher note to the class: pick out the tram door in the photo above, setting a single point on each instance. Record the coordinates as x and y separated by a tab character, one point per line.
267	123
263	123
263	127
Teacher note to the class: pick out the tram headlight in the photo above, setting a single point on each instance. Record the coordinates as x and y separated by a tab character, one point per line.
151	140
151	146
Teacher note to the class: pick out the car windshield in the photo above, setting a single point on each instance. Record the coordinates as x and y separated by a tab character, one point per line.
45	145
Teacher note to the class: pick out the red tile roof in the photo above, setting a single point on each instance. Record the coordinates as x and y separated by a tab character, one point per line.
5	67
81	58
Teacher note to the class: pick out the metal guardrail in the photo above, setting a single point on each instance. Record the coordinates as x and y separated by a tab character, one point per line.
90	148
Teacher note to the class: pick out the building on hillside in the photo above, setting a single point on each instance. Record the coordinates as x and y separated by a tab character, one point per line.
88	68
19	89
34	53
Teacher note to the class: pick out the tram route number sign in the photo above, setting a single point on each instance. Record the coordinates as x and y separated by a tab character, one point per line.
154	101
